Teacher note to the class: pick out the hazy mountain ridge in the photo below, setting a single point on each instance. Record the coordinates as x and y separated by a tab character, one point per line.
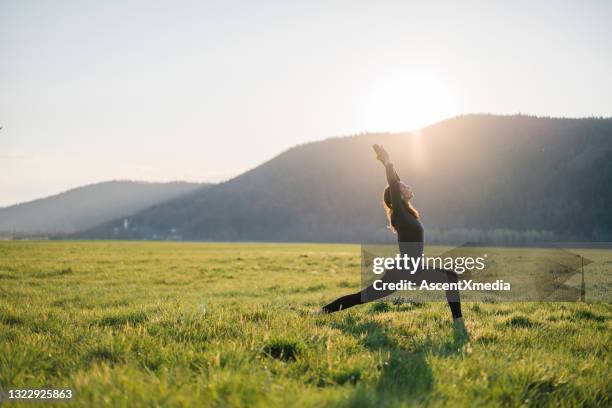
84	207
477	173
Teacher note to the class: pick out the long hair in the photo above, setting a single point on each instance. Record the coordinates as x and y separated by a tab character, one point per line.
389	207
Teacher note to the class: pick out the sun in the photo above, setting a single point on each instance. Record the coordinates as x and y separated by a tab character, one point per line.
407	102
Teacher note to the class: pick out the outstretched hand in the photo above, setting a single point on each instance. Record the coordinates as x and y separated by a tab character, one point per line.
381	154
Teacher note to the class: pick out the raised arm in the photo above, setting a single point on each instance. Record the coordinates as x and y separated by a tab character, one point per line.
394	182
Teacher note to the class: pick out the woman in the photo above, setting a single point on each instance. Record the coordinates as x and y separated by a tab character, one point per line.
404	220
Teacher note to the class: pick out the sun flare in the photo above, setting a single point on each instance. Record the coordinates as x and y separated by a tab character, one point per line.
408	102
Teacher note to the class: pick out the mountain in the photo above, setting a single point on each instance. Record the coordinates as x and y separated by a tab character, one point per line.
476	177
85	207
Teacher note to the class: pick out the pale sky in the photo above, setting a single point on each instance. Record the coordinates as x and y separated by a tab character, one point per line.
201	91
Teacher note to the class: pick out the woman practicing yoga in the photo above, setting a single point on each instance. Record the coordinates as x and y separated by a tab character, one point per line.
404	220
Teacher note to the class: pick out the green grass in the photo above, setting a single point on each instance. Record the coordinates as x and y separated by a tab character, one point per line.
182	324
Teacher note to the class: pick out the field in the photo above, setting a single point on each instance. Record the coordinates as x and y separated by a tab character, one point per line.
190	324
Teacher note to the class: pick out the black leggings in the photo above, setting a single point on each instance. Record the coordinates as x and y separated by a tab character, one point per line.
370	294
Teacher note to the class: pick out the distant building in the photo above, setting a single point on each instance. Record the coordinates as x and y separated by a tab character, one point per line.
174	236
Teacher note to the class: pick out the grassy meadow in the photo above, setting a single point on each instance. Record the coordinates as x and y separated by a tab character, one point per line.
226	325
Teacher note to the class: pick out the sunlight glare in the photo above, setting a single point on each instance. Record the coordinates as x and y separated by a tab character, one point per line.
407	102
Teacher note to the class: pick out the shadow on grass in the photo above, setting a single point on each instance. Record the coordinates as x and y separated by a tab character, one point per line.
405	375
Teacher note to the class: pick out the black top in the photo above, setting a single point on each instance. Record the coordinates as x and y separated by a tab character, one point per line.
408	227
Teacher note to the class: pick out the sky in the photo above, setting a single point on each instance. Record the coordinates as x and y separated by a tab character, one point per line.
201	91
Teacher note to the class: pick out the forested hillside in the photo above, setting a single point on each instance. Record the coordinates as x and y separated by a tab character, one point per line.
87	206
477	177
